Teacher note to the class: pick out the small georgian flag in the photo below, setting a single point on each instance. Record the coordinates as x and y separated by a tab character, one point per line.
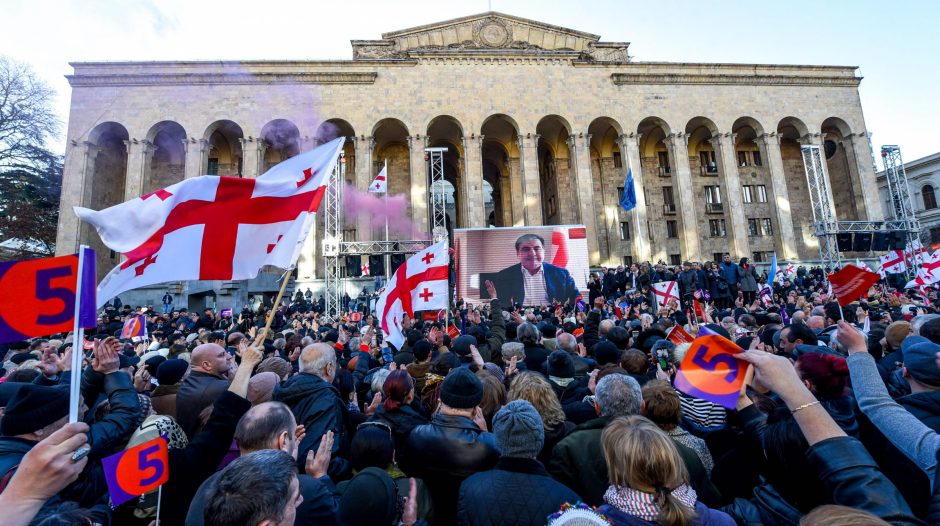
380	184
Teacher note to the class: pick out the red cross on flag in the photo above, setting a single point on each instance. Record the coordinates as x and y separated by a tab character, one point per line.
365	268
665	291
419	284
380	185
214	228
893	262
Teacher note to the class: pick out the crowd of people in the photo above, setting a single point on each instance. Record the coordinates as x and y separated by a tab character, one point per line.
559	414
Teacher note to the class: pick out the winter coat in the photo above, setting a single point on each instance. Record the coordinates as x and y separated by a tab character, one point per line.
492	348
402	420
517	492
552	437
198	391
704	516
689	282
718	285
317	405
747	278
443	454
163	399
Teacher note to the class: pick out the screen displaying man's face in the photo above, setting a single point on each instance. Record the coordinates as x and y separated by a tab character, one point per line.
531	253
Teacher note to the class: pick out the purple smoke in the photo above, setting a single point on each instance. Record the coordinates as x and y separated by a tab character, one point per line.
374	207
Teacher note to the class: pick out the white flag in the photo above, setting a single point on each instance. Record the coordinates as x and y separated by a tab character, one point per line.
665	291
380	184
419	284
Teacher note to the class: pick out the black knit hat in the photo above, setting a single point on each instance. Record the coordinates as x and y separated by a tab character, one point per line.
21	357
560	365
171	371
33	407
606	352
153	363
370	498
461	389
462	343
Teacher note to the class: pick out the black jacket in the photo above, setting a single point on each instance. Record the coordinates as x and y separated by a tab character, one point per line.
492	348
402	420
517	492
592	330
443	454
318	406
197	392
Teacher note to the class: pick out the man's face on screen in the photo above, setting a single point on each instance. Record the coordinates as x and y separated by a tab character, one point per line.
530	254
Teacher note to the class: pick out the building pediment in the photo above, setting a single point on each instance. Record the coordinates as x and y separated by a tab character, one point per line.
489	33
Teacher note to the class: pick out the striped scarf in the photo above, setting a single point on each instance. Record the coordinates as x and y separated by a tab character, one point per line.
643	505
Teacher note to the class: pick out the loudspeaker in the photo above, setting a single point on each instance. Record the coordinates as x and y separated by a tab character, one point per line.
353	266
862	242
844	242
880	242
377	265
898	240
397	261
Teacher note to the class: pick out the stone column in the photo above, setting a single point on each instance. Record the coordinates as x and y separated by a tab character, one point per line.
473	180
678	145
78	171
364	176
529	146
419	182
197	157
252	157
505	194
724	147
584	193
517	187
630	154
769	145
139	155
864	184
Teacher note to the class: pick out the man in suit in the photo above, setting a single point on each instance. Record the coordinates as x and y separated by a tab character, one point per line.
532	281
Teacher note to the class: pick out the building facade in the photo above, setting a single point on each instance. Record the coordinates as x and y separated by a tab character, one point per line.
923	180
541	123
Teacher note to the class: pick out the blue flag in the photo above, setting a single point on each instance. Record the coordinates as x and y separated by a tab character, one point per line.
772	277
628	201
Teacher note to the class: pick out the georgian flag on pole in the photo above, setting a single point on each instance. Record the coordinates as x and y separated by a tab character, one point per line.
665	291
893	262
419	284
380	185
218	228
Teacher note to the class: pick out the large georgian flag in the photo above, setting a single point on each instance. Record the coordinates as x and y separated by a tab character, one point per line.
665	291
218	228
419	284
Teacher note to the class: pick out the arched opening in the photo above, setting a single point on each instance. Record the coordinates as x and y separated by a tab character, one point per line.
445	131
281	140
555	178
747	151
104	184
789	132
846	188
225	149
391	146
501	170
608	168
168	160
930	198
661	197
709	185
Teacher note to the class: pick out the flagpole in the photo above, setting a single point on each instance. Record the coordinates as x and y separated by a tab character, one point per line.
159	498
388	259
636	214
78	349
277	303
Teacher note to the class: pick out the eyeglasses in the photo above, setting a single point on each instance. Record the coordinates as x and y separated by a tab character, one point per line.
382	425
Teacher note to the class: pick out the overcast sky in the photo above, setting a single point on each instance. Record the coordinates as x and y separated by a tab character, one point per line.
894	43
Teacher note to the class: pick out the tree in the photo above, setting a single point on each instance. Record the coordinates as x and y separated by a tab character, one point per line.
30	175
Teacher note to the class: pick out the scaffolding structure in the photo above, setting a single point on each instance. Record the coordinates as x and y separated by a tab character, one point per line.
335	248
824	213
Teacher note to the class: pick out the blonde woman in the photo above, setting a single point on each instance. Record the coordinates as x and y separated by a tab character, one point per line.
649	483
535	389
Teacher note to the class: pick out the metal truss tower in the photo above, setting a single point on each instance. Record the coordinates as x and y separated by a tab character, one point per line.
435	160
333	235
820	196
898	187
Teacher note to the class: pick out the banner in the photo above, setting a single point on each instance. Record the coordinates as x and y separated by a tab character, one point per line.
138	470
39	296
711	372
533	266
679	335
850	283
134	327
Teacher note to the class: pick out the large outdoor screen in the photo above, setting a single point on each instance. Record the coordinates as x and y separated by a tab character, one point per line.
529	265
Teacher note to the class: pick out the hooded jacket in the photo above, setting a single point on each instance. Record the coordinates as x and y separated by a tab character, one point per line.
318	406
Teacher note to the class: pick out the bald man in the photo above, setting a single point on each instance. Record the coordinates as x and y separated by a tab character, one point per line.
817	323
210	366
317	405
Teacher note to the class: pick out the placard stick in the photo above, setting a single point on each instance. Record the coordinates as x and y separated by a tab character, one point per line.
277	303
78	349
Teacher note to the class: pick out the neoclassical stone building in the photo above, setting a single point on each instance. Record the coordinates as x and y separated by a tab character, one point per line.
541	124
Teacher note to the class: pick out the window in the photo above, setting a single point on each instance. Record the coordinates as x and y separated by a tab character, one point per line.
707	160
935	235
672	229
663	161
760	257
675	259
213	168
716	227
618	162
668	197
761	193
718	257
627	261
752	227
625	230
619	194
649	229
713	195
747	193
742	158
757	160
767	227
930	198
